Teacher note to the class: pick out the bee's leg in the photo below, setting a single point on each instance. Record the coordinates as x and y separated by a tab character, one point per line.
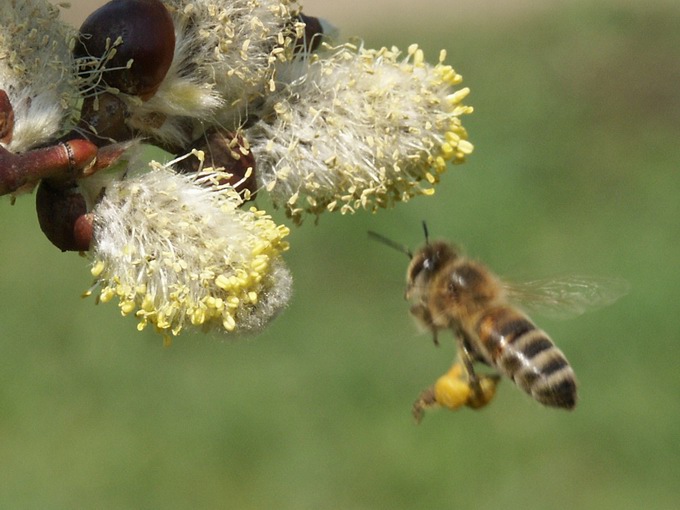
482	387
452	391
487	390
466	357
426	400
423	315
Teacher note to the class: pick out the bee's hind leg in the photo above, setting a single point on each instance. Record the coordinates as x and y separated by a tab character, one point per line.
459	386
426	400
467	359
482	387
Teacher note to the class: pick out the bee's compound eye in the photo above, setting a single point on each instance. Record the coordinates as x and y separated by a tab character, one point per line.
428	264
416	268
426	260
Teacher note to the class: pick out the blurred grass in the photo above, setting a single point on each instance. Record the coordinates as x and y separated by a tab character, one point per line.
575	170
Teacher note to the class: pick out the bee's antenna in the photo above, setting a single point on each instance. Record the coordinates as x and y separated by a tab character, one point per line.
392	244
426	232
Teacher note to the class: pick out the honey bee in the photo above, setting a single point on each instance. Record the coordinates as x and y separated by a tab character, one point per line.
447	290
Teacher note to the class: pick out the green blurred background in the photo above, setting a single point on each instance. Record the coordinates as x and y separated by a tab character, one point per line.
576	170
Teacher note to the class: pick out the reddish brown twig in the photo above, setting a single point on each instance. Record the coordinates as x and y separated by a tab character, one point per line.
63	160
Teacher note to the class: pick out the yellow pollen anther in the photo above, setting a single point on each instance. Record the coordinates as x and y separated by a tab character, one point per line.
97	268
106	295
224	282
229	323
465	147
127	307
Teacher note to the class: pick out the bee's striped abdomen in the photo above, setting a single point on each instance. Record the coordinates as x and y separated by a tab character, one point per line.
526	354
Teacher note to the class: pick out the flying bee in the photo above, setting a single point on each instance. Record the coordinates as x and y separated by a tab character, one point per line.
447	290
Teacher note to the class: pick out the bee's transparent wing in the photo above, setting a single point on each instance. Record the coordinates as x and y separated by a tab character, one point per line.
567	296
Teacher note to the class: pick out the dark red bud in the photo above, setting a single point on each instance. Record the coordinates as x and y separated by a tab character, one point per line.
83	231
148	38
59	211
313	34
104	117
6	118
224	150
107	156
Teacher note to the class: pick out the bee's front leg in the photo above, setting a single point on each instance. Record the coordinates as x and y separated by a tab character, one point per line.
423	315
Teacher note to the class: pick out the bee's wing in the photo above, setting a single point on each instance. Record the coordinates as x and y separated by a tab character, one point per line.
568	296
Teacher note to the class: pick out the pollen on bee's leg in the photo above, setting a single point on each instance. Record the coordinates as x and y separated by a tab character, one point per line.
484	392
452	390
480	388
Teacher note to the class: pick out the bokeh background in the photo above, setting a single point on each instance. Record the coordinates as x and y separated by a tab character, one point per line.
576	170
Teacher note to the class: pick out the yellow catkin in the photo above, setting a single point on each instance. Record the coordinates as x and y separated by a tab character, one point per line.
182	225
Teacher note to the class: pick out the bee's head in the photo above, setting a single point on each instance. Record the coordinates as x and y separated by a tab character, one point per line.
427	261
